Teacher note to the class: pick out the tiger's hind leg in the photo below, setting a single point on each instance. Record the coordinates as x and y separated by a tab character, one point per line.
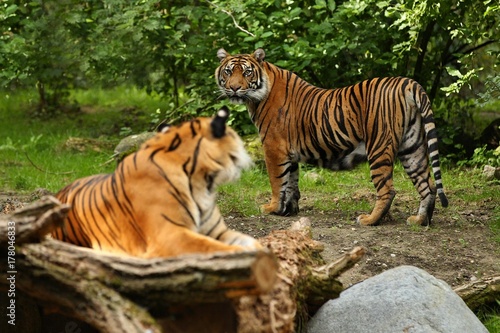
381	169
416	164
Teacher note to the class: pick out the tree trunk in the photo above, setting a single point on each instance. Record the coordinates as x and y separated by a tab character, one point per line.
423	42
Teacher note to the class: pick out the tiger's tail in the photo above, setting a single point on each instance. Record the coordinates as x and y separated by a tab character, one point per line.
424	105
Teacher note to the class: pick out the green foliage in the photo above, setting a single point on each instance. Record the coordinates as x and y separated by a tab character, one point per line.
461	80
483	156
169	47
491	91
50	153
491	318
42	45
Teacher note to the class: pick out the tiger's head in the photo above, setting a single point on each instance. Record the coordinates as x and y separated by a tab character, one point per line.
241	77
209	152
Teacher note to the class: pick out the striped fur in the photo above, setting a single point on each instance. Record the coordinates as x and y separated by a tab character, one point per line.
161	200
377	119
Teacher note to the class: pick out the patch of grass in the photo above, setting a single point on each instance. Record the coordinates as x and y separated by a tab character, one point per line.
234	200
119	98
491	318
50	153
492	323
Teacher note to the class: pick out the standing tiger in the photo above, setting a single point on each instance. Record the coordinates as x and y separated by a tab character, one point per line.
336	129
161	200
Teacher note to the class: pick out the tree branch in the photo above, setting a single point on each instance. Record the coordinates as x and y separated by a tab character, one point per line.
234	20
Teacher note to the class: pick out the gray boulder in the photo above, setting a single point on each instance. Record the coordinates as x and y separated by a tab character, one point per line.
405	299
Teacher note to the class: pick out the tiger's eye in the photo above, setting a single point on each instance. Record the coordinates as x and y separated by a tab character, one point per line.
227	71
247	72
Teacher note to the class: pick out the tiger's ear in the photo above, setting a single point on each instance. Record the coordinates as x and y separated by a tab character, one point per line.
259	54
218	124
162	128
222	54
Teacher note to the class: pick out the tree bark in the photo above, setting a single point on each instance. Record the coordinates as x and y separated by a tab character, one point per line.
481	293
423	42
33	222
149	282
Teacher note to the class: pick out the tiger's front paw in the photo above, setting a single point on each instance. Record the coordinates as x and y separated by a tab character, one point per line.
418	220
248	243
256	245
366	220
271	208
290	209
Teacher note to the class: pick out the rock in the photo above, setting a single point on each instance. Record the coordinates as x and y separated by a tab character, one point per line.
491	173
314	177
130	144
403	299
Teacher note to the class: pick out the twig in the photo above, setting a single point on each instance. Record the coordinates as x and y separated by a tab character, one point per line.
234	20
45	171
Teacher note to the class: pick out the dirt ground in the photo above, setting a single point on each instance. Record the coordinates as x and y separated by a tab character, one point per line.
457	248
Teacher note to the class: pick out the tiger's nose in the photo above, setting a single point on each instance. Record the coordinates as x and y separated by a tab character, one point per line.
235	88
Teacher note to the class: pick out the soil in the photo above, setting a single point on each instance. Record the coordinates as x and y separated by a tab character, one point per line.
457	248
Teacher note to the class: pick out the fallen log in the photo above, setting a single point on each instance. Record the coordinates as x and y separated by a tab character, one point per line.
481	293
34	221
150	282
258	291
304	283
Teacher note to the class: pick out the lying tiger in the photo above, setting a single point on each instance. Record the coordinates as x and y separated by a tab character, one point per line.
378	119
161	200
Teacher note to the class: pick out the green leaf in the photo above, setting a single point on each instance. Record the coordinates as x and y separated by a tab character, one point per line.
332	5
454	72
267	34
10	10
295	12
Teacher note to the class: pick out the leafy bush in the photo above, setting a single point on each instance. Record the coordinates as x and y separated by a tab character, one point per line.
482	156
169	47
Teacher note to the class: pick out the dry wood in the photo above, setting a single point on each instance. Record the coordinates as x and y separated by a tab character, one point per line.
154	282
33	222
482	292
305	282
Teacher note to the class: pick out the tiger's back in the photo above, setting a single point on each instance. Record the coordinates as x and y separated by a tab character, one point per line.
161	200
380	119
